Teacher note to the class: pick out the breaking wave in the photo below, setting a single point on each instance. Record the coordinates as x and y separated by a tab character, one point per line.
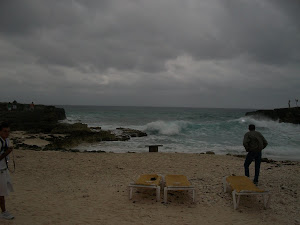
189	130
166	127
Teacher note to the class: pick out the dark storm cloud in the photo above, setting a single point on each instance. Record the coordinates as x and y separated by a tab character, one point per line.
23	17
262	30
180	49
290	9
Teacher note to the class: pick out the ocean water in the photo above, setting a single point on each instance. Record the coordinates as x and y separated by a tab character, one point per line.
188	130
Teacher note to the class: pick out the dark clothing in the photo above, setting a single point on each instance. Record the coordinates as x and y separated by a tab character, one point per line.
249	158
254	142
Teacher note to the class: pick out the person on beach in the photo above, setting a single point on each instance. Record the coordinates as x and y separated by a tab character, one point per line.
9	106
254	142
14	106
31	106
5	181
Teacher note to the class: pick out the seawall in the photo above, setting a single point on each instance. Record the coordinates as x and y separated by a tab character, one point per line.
283	115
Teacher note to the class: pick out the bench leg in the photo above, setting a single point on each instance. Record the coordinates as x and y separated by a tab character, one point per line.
158	194
238	201
130	192
234	200
269	201
193	195
165	195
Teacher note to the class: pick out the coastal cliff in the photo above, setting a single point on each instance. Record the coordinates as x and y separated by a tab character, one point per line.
283	115
43	122
40	119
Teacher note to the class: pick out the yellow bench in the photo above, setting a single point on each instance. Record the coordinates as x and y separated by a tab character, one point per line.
242	185
147	181
177	182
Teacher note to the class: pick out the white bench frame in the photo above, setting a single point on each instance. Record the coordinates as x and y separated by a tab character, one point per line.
178	188
153	186
266	195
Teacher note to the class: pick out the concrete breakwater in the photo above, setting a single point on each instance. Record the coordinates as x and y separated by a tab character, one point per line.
283	115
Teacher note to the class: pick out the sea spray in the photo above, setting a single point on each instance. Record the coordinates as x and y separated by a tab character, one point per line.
166	127
189	130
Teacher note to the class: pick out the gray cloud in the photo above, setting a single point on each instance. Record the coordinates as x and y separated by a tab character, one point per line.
188	53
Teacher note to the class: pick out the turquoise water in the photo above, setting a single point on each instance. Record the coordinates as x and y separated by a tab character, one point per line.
190	130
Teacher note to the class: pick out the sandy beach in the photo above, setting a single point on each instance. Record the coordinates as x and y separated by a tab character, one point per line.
91	188
95	94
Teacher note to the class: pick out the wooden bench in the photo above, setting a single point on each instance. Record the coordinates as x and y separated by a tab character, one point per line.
153	148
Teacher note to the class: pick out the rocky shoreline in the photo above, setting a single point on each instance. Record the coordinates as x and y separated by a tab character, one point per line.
282	115
44	124
67	141
42	129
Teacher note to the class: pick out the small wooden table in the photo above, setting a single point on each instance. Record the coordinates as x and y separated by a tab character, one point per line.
153	148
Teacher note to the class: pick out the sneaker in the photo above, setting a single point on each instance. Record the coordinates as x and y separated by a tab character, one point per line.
255	182
6	215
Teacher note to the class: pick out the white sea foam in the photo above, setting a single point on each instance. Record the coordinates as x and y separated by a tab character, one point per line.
166	127
188	130
271	125
71	120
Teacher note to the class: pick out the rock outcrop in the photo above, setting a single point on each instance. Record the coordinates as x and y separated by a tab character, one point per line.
132	132
41	119
46	119
283	115
77	137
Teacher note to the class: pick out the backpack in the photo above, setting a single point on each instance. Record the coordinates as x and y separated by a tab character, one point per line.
3	149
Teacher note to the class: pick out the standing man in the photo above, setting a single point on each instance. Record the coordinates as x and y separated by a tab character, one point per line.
9	106
31	106
5	182
254	142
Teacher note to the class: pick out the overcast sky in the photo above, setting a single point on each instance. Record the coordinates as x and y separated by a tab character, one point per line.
197	53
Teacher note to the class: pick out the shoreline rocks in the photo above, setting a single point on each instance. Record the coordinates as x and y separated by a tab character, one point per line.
132	132
46	120
283	115
41	119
